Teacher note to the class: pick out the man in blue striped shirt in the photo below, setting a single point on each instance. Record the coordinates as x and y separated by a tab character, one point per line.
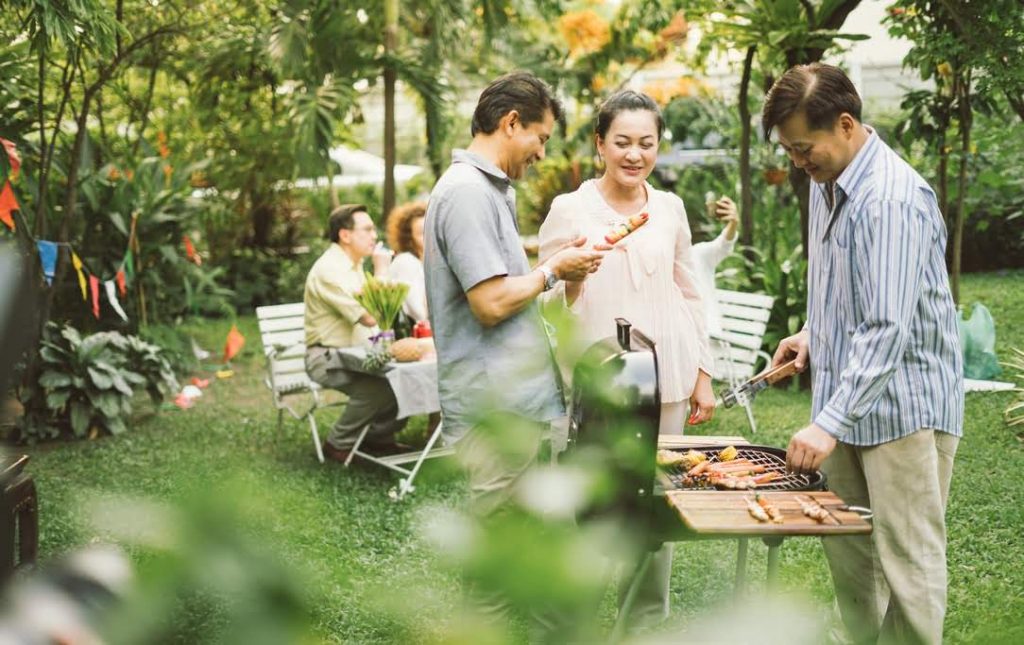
881	339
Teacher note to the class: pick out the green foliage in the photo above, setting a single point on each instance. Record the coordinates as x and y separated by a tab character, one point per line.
371	575
86	384
550	178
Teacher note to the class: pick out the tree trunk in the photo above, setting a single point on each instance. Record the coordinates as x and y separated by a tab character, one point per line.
966	117
801	184
943	180
746	199
390	44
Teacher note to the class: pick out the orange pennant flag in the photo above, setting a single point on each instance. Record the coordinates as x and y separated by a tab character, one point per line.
77	263
190	251
7	204
94	287
121	283
233	344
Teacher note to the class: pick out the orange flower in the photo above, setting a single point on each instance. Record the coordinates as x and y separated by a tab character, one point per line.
164	151
113	174
584	31
129	174
676	30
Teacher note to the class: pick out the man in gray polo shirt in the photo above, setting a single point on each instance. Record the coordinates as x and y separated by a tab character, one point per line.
493	353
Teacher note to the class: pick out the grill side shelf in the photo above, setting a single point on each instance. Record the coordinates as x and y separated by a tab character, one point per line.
724	513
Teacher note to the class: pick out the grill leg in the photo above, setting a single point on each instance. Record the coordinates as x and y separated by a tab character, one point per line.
627	603
774	544
741	567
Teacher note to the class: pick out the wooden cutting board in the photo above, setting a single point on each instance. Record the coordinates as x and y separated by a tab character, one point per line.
710	513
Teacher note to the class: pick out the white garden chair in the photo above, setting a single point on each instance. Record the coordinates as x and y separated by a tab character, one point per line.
737	347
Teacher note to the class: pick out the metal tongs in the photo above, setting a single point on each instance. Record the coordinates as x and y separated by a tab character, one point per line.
745	392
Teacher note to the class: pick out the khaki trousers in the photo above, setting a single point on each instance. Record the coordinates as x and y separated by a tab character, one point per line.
891	585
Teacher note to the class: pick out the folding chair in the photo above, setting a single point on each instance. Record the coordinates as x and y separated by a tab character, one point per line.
282	330
737	347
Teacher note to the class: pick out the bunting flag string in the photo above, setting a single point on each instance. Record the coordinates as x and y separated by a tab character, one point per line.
77	263
111	290
94	290
48	250
48	258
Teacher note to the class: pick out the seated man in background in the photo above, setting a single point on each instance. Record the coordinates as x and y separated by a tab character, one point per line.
335	320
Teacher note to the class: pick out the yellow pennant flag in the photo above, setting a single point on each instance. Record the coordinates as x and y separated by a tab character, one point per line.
77	262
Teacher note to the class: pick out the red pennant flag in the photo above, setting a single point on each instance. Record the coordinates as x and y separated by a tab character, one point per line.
121	283
12	156
233	344
7	204
94	288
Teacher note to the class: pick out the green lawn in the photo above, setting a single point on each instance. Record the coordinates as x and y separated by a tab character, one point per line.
340	536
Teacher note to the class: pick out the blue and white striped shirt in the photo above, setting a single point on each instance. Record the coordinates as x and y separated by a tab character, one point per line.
885	349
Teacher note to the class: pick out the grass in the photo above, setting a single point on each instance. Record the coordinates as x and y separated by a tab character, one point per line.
340	536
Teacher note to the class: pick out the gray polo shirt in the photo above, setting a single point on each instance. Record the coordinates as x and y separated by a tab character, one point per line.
471	234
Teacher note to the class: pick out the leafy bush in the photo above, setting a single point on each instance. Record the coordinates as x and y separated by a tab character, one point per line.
86	384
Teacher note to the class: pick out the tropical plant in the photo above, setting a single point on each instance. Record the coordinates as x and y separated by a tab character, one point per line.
968	57
86	384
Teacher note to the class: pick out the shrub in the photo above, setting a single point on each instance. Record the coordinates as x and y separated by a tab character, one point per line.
86	384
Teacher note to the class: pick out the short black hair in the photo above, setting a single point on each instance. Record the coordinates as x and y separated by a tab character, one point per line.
822	92
343	217
519	91
626	101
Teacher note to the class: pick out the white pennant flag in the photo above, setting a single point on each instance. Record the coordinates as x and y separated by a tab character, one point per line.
111	288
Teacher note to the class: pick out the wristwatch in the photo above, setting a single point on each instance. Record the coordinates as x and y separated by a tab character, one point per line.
549	277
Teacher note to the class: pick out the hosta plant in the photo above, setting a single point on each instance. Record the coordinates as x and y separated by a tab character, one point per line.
86	383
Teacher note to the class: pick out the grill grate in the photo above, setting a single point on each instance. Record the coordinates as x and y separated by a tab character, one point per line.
772	459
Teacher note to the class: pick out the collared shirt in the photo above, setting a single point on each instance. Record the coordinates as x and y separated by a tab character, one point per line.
885	350
331	310
470	235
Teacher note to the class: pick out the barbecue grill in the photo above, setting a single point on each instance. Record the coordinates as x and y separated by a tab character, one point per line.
616	408
615	416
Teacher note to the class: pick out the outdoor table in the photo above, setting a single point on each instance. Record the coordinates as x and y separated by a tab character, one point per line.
414	383
415	388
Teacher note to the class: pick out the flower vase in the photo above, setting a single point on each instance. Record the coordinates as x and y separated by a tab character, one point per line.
379	354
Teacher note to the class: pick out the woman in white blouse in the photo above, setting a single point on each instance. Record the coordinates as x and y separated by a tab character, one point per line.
405	237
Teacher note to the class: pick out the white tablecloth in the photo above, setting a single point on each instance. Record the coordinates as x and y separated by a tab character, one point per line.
414	384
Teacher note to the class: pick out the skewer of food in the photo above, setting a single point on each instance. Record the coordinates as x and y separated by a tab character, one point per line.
757	511
771	509
814	510
622	230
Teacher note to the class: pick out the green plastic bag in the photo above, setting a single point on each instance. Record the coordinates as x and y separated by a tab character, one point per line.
978	339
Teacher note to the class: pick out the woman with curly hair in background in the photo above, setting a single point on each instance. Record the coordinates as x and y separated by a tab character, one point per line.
405	237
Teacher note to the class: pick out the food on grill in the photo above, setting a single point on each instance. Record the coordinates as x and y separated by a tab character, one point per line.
728	482
670	458
759	513
624	229
692	458
728	454
773	511
753	467
813	510
698	469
